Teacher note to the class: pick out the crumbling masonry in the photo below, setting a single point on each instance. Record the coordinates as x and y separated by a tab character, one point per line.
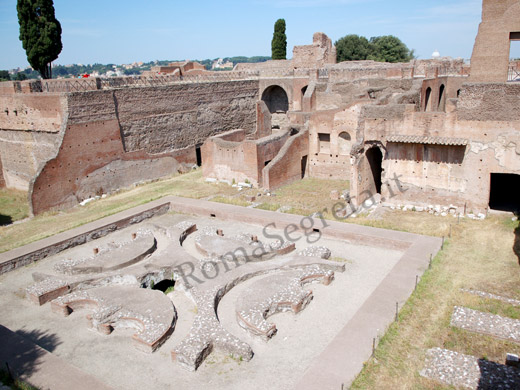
424	132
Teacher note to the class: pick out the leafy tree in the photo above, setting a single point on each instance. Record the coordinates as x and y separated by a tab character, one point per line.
20	76
352	48
40	33
279	42
4	75
389	49
386	48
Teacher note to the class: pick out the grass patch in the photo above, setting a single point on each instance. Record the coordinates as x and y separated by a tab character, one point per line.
304	197
230	200
14	206
478	256
268	206
190	185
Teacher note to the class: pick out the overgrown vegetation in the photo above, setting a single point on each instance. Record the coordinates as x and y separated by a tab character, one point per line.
13	383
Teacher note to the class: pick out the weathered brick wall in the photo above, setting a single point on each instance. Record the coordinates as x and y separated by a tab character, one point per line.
287	167
489	102
29	134
173	117
232	157
114	138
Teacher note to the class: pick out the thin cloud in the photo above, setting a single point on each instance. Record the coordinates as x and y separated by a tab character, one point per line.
311	3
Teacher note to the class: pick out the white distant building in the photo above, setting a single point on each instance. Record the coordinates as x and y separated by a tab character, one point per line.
220	64
436	55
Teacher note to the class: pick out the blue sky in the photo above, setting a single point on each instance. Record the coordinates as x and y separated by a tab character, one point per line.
131	30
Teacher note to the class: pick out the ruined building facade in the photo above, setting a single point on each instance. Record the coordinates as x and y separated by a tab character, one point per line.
424	132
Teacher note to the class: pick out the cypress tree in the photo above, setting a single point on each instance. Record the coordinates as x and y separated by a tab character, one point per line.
279	42
40	33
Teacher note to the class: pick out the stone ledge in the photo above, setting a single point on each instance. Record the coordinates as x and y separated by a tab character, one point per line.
35	251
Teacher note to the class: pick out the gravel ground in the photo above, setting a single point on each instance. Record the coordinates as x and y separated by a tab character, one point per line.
469	372
514	302
480	322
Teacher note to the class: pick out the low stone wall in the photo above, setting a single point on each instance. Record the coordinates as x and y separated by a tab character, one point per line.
33	252
287	166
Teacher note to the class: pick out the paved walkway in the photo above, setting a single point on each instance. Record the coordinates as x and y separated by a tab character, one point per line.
41	368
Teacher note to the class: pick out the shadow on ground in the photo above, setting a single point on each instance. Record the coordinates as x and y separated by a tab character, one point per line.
5	220
497	376
21	351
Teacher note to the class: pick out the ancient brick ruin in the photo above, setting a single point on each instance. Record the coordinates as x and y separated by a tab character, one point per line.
424	132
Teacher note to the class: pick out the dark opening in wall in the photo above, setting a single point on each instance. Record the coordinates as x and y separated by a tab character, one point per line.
442	99
503	194
199	155
427	99
375	159
164	285
304	166
267	163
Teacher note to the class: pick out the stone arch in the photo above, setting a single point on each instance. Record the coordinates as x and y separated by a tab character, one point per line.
276	99
442	98
344	143
303	90
427	99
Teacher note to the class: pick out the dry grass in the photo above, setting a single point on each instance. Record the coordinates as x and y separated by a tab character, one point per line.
189	185
236	201
479	256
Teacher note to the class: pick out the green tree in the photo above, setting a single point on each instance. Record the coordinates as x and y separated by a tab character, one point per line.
40	33
279	42
20	76
4	75
352	48
388	48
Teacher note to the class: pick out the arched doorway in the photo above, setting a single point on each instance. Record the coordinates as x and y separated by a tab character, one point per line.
304	89
276	99
375	160
442	99
427	100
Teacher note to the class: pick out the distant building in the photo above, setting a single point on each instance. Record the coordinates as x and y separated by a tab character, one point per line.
220	64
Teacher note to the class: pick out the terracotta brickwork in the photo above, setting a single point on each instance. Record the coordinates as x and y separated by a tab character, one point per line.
500	24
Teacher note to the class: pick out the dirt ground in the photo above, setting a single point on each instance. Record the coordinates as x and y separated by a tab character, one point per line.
277	364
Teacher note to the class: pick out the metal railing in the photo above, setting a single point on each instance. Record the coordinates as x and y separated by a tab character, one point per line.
513	74
105	83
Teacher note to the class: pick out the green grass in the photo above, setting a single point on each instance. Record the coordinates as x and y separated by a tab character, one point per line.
478	256
14	384
190	185
13	206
